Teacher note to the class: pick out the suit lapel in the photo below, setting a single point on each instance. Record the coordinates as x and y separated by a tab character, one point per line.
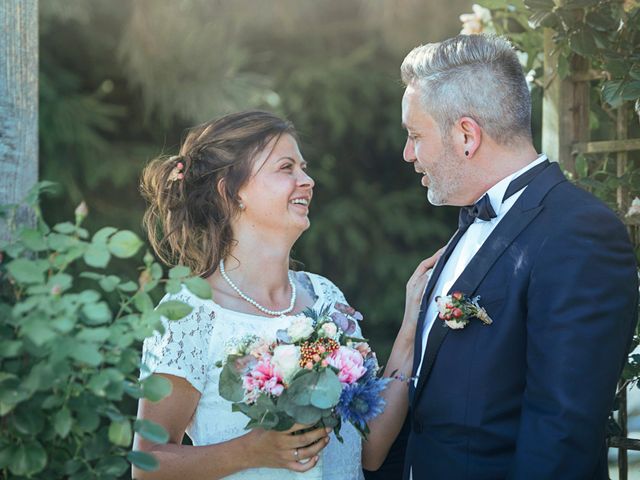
526	208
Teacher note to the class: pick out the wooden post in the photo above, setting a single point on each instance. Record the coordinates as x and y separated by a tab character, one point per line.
18	107
565	106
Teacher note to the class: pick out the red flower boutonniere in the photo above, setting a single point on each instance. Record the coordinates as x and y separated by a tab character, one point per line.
457	309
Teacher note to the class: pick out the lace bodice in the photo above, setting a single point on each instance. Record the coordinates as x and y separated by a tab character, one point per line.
190	348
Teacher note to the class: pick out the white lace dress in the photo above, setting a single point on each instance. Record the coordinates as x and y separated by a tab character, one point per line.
190	348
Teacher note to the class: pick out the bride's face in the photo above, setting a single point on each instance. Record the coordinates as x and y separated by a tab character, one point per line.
278	194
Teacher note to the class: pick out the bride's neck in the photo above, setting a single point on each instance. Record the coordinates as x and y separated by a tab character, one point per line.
260	265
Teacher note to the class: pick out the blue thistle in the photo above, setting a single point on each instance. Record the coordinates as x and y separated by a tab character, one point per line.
361	402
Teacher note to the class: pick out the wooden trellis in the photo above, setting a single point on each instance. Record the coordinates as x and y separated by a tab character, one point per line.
565	134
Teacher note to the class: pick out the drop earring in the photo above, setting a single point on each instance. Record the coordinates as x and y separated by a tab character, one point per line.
466	153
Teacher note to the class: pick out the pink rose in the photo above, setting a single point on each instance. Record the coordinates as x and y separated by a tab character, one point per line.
350	364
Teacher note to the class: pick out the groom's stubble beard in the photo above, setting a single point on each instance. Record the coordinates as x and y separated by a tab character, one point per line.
445	178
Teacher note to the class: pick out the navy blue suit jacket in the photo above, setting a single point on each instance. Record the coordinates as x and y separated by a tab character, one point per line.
528	396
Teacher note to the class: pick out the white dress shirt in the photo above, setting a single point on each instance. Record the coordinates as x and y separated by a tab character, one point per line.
469	245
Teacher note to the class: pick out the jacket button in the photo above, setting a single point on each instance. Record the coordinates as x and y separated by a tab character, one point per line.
417	426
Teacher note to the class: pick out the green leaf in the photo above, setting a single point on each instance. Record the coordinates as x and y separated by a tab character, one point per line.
173	286
86	353
155	388
128	287
143	302
26	421
33	240
199	287
174	309
26	271
62	422
97	313
109	283
143	460
103	234
66	228
120	433
582	42
97	255
98	335
611	93
38	331
124	244
112	466
179	272
28	459
151	431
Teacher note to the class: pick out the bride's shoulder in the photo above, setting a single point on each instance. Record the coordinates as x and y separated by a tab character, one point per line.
322	286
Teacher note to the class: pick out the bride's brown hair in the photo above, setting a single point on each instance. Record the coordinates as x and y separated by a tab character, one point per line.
192	197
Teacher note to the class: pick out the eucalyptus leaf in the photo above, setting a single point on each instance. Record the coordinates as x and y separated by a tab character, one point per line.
102	235
152	431
120	433
143	460
155	388
26	271
97	313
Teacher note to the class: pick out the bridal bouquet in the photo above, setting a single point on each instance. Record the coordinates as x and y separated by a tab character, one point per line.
314	372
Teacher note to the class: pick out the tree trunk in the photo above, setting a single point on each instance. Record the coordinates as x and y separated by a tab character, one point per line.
18	108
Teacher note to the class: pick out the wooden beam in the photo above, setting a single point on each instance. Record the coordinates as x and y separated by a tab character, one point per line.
18	107
565	106
606	146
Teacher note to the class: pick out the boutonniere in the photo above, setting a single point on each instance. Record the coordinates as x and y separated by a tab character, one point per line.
457	309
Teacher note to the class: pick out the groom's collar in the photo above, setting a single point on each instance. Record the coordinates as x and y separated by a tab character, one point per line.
496	193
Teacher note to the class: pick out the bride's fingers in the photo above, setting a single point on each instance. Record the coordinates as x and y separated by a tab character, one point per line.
307	438
303	467
312	450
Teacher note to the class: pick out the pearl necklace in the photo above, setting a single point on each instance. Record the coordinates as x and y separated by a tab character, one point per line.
275	313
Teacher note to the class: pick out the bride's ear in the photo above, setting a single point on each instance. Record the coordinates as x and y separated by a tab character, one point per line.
470	134
222	191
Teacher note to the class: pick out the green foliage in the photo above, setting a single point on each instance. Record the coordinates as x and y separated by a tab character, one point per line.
68	360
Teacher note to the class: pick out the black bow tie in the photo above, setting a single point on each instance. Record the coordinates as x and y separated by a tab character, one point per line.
483	210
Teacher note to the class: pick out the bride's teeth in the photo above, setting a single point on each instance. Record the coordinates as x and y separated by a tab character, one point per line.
300	201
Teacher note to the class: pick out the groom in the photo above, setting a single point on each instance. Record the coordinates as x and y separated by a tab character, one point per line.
526	397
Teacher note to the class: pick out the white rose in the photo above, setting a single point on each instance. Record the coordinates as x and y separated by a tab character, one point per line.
300	329
329	330
286	360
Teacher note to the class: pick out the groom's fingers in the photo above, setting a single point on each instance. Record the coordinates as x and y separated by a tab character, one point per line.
303	467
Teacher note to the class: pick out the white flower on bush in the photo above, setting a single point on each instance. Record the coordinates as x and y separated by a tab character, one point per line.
286	359
477	22
300	329
328	330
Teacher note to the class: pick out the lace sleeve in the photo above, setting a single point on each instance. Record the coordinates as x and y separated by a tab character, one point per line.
183	349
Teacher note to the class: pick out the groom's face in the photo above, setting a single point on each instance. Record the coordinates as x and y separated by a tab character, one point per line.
430	152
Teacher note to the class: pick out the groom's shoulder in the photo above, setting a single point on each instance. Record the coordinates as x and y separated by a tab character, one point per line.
569	200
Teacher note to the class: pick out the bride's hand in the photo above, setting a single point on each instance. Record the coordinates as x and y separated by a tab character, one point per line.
415	288
286	450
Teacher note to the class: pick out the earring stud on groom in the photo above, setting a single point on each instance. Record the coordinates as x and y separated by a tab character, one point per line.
528	396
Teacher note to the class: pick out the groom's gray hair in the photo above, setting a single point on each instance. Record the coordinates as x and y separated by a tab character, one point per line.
478	76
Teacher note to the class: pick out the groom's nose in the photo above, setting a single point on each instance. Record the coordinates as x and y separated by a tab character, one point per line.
409	153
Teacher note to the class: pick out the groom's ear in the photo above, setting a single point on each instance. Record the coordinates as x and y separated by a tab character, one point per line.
469	136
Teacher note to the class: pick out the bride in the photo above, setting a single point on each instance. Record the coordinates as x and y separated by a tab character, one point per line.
230	206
